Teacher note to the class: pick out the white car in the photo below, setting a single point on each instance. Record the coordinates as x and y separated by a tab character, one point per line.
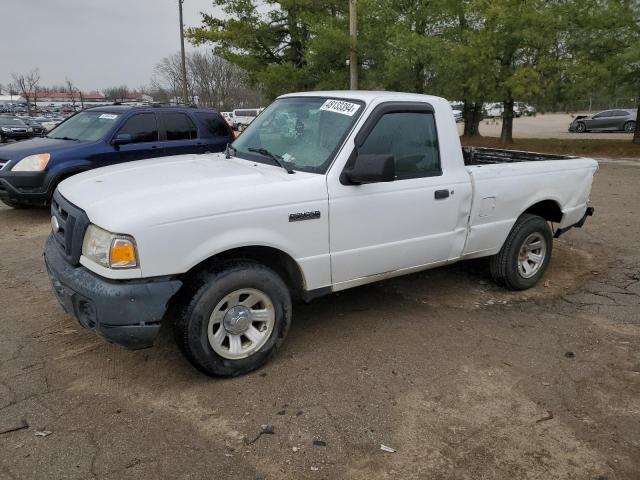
352	188
493	110
244	116
228	116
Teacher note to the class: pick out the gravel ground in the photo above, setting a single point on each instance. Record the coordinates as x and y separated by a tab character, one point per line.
462	379
547	125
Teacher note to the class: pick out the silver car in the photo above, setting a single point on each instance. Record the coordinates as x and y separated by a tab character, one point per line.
612	120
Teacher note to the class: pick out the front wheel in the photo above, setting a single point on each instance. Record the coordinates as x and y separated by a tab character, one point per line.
581	127
525	255
233	320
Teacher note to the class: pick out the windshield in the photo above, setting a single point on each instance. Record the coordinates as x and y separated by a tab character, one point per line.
85	126
12	121
304	131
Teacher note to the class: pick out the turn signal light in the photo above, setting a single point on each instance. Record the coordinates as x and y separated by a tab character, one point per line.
123	254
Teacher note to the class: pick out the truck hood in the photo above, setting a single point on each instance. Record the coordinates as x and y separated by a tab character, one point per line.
127	197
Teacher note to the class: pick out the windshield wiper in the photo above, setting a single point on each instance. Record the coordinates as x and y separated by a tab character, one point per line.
227	152
64	138
275	158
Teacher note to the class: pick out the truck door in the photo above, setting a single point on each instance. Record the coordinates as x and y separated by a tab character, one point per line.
416	220
600	121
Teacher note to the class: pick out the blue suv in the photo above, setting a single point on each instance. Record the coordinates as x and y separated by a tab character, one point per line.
30	170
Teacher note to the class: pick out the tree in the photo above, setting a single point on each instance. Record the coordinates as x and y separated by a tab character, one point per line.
272	40
117	94
212	80
27	84
72	91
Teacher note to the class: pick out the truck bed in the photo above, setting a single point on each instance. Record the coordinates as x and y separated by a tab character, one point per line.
490	156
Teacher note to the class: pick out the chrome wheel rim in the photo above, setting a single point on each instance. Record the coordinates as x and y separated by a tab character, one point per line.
532	254
630	127
241	323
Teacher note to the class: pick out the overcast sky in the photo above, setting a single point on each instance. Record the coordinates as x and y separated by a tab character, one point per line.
96	43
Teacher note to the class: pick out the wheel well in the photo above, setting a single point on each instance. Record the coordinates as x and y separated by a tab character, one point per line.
547	209
279	261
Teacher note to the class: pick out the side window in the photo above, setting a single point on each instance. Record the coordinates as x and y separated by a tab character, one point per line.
179	127
216	126
620	113
412	140
603	115
142	127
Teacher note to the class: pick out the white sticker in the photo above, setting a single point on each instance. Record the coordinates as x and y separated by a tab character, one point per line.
108	116
340	106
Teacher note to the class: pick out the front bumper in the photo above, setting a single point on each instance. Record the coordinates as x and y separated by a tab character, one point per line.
25	187
17	135
127	313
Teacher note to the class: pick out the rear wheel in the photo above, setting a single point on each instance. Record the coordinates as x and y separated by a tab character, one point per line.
630	127
233	320
525	255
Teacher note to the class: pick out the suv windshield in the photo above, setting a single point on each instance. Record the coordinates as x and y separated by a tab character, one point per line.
85	126
305	132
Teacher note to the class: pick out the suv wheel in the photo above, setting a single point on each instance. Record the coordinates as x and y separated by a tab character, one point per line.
525	255
233	320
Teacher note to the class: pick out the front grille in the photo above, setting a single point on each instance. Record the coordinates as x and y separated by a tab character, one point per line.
72	223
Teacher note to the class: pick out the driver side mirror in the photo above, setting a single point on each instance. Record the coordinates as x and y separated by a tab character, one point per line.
371	168
122	139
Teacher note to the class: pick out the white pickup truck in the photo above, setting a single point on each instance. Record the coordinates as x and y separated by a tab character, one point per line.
324	191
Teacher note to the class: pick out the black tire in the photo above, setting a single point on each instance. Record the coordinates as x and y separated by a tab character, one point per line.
630	127
201	298
581	127
505	267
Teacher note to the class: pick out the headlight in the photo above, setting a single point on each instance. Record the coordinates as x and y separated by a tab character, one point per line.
29	129
5	129
32	163
108	249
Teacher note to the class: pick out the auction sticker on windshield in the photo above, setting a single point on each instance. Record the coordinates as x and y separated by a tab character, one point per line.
340	106
108	116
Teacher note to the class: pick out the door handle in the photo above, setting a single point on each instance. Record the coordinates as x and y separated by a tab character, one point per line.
441	194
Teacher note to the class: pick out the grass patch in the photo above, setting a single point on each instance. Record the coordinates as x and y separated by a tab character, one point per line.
580	147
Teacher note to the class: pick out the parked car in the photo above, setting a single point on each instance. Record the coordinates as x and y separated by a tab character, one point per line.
13	128
242	118
228	116
38	129
523	109
493	110
366	186
609	120
30	170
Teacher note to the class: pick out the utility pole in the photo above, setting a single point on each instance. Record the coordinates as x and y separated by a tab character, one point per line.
353	36
185	94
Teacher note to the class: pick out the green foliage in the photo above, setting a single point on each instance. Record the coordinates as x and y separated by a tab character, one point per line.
546	52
